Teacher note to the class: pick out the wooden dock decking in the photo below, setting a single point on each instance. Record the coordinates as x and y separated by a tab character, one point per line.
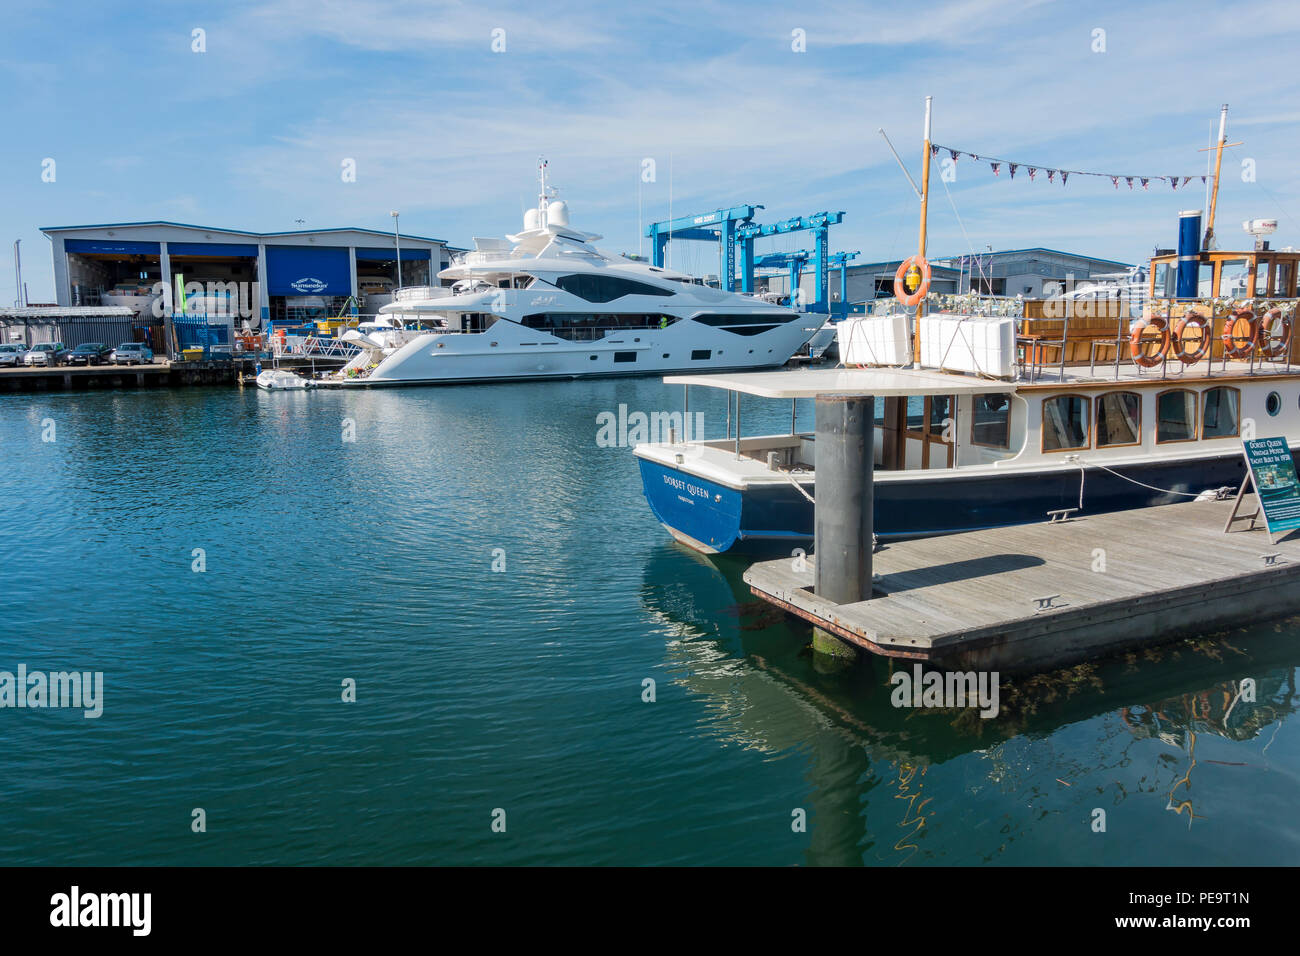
971	600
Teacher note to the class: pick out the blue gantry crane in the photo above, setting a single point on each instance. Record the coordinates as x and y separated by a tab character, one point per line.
735	226
795	263
718	226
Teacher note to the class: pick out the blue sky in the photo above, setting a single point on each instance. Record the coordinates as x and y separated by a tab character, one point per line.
252	133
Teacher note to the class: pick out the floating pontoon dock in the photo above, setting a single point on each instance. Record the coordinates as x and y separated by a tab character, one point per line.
1044	595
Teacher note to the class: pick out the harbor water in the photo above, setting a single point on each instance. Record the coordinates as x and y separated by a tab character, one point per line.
530	649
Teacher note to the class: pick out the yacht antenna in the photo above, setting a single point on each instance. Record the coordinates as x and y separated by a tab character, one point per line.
1218	167
542	198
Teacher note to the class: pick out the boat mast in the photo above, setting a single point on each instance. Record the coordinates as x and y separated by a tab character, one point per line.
1218	166
920	245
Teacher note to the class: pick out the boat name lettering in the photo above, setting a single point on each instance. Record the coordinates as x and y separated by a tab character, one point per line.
690	489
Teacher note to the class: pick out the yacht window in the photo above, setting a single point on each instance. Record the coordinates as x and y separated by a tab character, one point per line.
1119	419
1175	416
1065	423
597	288
1219	419
741	319
991	420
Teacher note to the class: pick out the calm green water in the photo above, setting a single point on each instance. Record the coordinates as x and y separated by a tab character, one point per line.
371	560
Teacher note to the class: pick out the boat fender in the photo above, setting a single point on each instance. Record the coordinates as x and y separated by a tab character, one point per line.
914	273
1192	320
1136	343
1239	346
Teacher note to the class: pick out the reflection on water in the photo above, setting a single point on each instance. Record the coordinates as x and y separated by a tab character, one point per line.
902	786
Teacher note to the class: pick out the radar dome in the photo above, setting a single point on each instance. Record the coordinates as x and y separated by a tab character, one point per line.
557	213
1260	227
531	219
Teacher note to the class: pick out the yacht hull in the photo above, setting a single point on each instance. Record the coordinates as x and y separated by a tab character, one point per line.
510	352
714	518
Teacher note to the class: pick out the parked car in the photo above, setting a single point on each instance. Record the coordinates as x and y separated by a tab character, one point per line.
11	353
46	353
132	353
89	353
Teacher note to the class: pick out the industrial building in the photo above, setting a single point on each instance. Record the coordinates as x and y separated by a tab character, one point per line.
297	275
1034	273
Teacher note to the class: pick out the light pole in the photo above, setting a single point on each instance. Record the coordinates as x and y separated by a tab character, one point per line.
397	239
18	275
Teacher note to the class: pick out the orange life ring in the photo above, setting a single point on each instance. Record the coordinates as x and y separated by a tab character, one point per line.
900	288
1231	348
1197	321
1274	346
1136	343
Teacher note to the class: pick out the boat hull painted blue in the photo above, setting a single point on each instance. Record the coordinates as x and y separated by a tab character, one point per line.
766	518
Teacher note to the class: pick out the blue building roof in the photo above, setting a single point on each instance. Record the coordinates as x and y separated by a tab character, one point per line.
236	232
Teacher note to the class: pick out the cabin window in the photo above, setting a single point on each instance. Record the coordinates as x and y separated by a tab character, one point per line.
940	413
1282	279
1233	278
1119	419
1175	416
1273	404
1261	278
624	356
1220	419
991	420
597	288
1205	280
1165	281
1065	423
700	355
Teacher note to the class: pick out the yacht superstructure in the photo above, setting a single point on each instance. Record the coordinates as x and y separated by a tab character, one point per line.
546	303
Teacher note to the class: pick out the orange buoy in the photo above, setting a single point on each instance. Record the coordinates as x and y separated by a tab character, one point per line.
1274	334
1138	340
913	271
1239	345
1192	320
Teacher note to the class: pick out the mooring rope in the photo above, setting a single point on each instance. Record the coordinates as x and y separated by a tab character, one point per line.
790	478
1219	492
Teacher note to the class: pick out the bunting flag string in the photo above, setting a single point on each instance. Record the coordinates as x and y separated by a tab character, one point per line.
997	164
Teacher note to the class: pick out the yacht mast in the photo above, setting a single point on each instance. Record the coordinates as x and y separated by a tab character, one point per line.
920	245
1218	166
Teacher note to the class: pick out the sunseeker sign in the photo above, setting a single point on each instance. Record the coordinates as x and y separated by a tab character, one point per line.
309	285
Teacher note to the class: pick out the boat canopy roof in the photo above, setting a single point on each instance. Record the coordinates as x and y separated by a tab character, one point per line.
809	383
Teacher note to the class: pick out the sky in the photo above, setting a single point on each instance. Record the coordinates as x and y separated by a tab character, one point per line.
645	110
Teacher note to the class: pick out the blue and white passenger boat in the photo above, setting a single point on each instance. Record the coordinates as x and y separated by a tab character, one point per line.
985	420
